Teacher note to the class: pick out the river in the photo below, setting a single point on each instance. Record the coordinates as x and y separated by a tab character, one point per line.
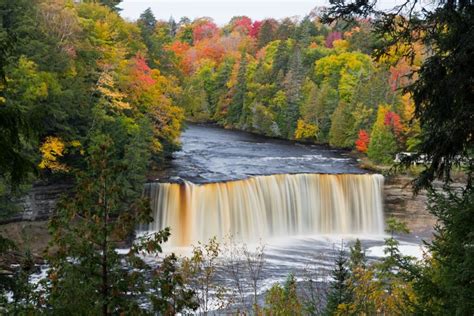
300	202
214	154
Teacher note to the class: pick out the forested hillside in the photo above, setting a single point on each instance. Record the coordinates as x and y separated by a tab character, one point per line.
291	79
72	77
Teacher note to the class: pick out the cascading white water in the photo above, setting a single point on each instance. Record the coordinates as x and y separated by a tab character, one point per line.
269	206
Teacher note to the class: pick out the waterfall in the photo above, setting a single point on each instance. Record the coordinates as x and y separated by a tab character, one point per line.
268	206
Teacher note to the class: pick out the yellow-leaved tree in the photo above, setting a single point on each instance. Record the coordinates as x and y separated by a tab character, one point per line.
52	150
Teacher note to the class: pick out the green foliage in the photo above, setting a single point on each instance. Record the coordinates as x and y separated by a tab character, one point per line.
443	104
76	96
218	86
325	104
87	230
281	58
266	34
339	292
294	86
284	300
16	281
156	35
357	257
444	282
112	4
341	122
388	268
383	145
263	120
87	93
236	107
17	108
381	287
170	284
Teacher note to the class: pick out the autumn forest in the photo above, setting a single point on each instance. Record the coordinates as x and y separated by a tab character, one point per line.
98	103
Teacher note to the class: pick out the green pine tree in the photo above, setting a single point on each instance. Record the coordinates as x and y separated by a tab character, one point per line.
341	123
357	256
236	107
292	83
266	34
383	145
339	291
112	4
280	60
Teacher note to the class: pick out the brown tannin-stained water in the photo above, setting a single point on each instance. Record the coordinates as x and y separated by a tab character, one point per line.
266	207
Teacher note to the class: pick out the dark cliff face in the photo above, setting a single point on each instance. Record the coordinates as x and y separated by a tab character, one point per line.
39	203
400	202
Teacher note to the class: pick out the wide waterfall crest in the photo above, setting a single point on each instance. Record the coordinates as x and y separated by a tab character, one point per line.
269	206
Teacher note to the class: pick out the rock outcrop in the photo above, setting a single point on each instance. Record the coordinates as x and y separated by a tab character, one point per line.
40	202
400	202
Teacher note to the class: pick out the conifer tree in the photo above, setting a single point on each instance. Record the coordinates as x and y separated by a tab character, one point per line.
383	145
147	23
305	31
293	82
236	107
173	27
280	60
286	30
357	256
443	284
112	4
266	33
326	102
87	273
339	292
283	300
221	78
341	123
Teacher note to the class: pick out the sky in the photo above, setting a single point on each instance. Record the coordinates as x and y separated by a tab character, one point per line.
220	10
223	10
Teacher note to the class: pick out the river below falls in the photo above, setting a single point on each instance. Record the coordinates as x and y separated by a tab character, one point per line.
211	154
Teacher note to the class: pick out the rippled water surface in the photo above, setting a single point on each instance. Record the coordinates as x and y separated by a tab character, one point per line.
211	154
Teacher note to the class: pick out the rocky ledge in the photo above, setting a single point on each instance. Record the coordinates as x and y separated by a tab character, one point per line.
400	202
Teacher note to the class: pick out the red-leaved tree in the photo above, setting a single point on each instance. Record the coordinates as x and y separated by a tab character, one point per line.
243	25
204	30
331	38
362	143
392	119
255	29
